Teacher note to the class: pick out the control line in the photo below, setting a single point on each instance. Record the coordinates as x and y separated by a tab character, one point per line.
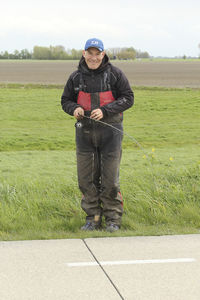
104	271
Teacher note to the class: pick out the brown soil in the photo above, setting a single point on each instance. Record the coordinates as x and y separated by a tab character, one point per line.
152	73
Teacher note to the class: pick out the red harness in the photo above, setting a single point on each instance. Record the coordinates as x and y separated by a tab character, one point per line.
90	101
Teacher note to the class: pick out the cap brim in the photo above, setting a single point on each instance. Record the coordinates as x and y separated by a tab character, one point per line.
100	49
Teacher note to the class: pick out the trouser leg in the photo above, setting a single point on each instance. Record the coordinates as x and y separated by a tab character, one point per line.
88	184
110	164
88	170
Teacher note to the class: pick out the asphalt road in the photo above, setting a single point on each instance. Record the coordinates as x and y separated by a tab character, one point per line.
153	268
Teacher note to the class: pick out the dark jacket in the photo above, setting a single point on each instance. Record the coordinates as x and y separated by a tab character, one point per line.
94	81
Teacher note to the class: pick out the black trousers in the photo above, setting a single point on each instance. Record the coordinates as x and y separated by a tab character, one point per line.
98	160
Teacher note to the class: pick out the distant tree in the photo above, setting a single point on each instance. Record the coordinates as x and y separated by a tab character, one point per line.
41	52
58	52
113	52
76	54
140	54
16	55
6	55
121	53
25	54
127	53
55	52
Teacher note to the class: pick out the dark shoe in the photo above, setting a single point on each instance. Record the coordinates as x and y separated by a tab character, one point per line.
112	227
90	226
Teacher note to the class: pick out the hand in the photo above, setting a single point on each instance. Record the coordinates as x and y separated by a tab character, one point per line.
79	113
96	114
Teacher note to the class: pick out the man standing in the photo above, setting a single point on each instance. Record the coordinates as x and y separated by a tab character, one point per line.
96	95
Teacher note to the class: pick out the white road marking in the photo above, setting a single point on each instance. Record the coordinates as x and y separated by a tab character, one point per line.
131	262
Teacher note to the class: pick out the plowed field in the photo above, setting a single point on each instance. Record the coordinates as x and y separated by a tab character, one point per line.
150	73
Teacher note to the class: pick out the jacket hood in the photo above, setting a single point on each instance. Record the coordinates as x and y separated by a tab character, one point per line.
84	68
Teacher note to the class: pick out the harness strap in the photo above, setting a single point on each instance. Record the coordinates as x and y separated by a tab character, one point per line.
82	86
106	82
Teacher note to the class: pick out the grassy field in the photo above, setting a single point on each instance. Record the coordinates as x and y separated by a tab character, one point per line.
39	197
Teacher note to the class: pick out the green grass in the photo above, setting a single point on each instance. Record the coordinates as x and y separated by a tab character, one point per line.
39	197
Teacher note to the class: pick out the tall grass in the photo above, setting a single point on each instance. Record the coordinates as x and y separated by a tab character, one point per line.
39	197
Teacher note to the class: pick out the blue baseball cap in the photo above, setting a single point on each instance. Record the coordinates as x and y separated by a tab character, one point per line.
94	43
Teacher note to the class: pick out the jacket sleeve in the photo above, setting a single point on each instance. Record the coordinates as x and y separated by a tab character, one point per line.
68	98
124	95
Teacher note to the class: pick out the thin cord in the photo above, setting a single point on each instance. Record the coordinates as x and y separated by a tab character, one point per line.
121	131
118	292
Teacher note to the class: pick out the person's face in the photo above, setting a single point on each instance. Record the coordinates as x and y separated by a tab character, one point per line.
93	57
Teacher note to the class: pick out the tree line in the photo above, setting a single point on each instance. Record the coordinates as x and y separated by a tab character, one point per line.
126	53
60	53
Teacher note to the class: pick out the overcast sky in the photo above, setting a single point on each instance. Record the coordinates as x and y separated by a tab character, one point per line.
163	28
